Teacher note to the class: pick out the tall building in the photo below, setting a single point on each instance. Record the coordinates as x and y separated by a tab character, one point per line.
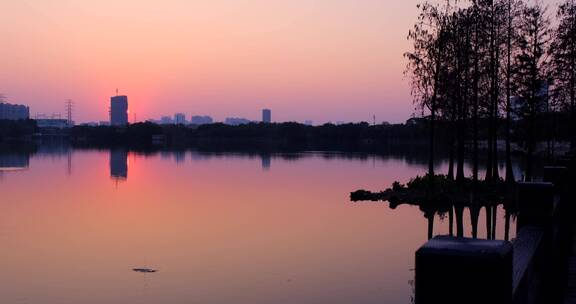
14	112
180	119
119	111
266	116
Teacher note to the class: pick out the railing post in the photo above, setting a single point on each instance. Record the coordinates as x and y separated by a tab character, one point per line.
535	204
557	175
459	270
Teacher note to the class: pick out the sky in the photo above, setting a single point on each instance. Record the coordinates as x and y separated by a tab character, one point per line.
319	60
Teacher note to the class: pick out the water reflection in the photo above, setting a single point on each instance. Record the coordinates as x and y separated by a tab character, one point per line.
218	228
455	214
119	164
266	161
180	156
14	161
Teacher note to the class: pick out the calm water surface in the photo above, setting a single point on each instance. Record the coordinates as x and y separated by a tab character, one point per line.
219	228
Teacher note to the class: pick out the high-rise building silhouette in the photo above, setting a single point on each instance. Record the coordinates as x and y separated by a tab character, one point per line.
180	118
119	111
266	116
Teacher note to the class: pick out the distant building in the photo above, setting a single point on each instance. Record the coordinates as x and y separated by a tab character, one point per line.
52	123
266	116
180	119
89	124
235	121
14	112
104	123
308	122
201	120
119	110
415	121
166	120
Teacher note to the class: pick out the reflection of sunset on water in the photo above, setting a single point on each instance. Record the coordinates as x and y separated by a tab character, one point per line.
218	227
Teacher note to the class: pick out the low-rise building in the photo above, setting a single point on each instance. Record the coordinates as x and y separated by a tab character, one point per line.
14	111
53	123
166	120
235	121
201	120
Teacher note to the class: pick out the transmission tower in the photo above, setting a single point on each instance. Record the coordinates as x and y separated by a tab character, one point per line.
69	107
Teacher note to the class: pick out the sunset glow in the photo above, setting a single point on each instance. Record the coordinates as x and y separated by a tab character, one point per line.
318	60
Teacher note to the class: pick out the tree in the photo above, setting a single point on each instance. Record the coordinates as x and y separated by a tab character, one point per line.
512	14
530	71
425	63
563	61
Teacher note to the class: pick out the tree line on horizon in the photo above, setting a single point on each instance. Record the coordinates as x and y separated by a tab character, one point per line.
507	63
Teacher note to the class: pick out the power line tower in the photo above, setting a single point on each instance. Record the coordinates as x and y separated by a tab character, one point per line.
69	107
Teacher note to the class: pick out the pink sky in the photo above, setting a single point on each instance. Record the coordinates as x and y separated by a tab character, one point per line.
320	60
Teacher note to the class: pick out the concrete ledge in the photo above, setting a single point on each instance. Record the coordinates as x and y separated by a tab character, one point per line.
460	270
556	175
527	246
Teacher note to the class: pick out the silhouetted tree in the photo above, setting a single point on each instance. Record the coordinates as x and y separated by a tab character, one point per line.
563	60
425	63
530	71
513	10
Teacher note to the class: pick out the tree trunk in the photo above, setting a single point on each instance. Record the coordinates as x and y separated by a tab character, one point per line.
488	222
572	101
451	157
459	221
494	216
461	137
430	218
475	119
495	171
507	226
509	170
451	221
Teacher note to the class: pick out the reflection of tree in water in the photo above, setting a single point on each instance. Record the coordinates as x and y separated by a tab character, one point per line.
449	198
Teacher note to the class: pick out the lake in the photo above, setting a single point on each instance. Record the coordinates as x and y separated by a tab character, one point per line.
218	227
